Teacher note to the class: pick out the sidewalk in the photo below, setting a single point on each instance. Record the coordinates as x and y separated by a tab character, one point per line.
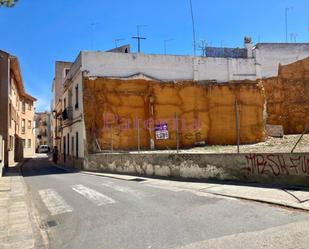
16	229
288	197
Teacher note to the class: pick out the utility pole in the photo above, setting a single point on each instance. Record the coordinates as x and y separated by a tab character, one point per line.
193	28
138	37
165	42
117	40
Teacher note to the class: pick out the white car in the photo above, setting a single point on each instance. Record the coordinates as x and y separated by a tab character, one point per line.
43	149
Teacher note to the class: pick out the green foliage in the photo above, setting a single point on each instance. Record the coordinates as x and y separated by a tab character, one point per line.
7	3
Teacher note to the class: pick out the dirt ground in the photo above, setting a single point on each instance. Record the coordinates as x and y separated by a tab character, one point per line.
271	145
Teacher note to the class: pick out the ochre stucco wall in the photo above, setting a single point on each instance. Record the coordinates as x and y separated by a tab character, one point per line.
206	112
288	97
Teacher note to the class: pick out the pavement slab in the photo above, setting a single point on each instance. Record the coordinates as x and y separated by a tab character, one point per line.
16	227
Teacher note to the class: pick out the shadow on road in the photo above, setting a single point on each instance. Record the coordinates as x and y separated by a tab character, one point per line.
42	166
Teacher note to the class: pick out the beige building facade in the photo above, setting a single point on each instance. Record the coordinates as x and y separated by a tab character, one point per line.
17	112
42	129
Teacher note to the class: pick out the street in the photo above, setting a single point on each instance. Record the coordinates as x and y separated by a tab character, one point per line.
80	210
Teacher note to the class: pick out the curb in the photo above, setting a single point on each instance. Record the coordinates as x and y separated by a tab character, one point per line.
33	212
291	206
260	201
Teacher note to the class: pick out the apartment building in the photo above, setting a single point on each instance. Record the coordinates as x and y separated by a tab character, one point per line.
17	112
43	129
61	70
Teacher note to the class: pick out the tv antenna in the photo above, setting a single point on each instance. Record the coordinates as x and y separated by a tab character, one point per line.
287	9
203	44
118	40
165	43
93	24
138	37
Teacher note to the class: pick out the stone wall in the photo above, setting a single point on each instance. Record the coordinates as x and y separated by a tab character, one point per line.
292	169
205	112
288	97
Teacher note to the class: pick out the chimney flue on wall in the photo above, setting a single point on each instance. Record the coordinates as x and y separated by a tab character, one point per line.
249	46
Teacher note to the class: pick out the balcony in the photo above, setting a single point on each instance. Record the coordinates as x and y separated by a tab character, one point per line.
67	115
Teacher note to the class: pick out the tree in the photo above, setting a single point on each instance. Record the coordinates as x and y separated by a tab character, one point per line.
8	3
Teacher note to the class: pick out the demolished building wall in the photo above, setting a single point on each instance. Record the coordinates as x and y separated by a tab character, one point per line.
288	97
205	112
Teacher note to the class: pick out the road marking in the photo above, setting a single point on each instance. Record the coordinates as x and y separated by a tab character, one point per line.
93	195
128	190
165	187
54	202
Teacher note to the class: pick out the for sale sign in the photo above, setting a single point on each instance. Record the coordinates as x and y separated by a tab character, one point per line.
161	131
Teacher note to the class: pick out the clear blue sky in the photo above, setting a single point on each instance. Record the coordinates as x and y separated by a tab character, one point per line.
41	32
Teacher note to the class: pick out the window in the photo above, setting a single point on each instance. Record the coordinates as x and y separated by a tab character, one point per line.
76	146
23	107
65	72
29	106
23	126
11	143
64	103
23	143
76	97
72	145
29	124
10	114
68	138
64	149
29	143
10	85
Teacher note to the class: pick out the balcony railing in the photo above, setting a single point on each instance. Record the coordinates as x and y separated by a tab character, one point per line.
67	114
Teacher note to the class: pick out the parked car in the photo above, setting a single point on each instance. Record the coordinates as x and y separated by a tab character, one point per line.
43	149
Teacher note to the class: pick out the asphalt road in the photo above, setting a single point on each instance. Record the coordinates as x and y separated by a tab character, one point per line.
79	210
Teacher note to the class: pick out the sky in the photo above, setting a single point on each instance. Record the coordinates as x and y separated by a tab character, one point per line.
42	32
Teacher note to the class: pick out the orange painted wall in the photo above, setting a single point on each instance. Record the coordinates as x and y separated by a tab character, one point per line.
206	112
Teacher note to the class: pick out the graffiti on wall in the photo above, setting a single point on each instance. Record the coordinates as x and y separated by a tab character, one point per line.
277	164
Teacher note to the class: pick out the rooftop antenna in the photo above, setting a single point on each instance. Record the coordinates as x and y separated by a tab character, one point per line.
193	28
202	46
222	43
138	37
165	43
93	24
118	40
293	37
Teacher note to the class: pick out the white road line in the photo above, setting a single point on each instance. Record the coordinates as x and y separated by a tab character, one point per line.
93	195
126	189
166	187
54	202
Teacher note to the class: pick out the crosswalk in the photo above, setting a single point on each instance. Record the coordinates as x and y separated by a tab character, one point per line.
126	189
56	204
93	195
